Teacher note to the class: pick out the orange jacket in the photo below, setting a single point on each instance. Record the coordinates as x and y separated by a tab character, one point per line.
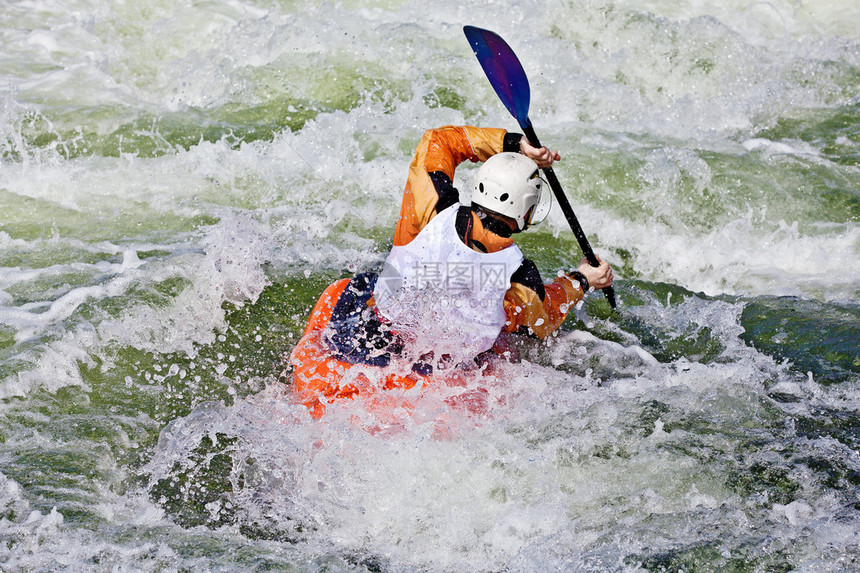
531	306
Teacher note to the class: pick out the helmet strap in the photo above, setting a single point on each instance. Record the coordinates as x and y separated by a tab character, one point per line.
493	223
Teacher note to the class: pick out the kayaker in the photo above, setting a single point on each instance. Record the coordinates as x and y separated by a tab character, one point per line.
454	283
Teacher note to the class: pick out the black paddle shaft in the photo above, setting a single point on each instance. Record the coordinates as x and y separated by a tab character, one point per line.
554	184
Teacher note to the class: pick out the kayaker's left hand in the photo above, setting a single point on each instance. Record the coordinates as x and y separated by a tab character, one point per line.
540	155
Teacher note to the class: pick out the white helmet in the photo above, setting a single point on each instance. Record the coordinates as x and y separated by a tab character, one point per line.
509	184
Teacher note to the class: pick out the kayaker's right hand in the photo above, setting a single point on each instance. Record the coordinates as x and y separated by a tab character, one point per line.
598	277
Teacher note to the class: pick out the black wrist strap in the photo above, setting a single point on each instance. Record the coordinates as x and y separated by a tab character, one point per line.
583	282
511	142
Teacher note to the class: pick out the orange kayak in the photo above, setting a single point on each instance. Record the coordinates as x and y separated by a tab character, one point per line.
320	379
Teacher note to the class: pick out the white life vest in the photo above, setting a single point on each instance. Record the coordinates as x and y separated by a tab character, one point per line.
443	296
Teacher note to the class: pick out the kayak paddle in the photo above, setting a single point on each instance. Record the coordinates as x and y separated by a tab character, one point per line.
508	78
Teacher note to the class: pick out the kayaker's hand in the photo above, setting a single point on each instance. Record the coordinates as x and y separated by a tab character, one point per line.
598	277
540	155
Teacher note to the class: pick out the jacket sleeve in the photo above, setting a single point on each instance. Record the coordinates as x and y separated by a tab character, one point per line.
429	187
534	308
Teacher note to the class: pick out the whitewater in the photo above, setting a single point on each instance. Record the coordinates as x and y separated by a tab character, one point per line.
179	181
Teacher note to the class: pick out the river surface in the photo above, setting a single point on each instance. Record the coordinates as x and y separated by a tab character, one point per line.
179	180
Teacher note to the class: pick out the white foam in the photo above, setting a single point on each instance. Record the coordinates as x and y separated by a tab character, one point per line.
53	366
800	148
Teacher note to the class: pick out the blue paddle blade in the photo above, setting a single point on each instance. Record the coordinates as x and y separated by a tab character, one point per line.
504	71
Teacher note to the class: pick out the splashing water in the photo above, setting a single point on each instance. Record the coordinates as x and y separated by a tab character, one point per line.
180	181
